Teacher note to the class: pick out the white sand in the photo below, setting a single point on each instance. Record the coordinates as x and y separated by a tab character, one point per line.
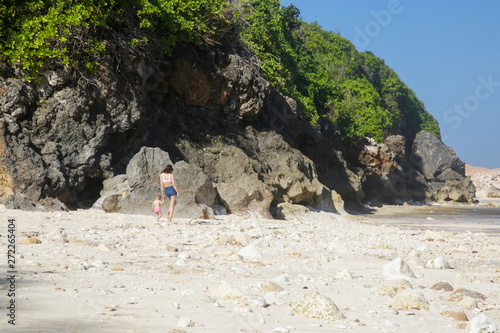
98	272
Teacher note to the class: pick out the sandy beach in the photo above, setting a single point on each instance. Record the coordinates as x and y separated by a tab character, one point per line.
89	271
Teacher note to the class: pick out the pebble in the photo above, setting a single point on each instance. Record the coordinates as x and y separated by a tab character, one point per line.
398	269
315	305
482	324
226	291
281	278
253	301
267	286
445	286
459	316
345	275
251	252
30	241
410	299
438	263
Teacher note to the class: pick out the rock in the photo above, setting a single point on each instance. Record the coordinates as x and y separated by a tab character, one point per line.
459	316
103	247
19	201
398	269
280	330
289	211
267	286
315	305
433	234
236	257
58	236
281	278
462	279
482	324
403	284
251	252
139	187
443	170
410	299
438	263
226	291
32	240
460	293
344	275
338	245
172	249
246	196
253	301
445	286
431	157
468	303
277	298
396	144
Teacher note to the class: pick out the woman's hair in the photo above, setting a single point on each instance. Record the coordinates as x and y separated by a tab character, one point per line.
168	169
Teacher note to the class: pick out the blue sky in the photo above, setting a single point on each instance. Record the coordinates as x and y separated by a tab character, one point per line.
448	52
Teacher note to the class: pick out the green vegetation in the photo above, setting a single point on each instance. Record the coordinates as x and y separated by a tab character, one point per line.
36	33
330	80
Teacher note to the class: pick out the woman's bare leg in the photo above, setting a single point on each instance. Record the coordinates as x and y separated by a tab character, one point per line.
171	210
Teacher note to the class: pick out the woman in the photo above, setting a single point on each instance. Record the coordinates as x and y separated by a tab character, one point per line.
169	189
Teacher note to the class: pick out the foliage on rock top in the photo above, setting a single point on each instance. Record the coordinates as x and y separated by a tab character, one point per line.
330	80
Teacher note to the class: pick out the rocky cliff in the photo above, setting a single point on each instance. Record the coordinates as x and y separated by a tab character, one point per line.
487	181
66	139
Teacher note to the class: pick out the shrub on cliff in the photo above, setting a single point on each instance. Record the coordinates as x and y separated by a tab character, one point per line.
75	33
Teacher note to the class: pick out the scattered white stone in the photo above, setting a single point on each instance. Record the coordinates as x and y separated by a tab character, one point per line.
433	234
315	305
482	324
468	303
226	291
103	247
338	245
345	275
99	263
236	257
180	262
438	263
424	249
398	269
253	301
410	299
58	236
462	279
281	330
184	256
281	278
267	286
277	298
251	252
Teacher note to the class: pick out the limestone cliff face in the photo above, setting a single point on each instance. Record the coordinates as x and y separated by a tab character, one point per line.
62	138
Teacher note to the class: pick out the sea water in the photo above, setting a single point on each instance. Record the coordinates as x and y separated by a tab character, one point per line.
452	218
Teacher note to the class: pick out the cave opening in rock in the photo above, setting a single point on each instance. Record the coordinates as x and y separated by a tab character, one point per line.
90	193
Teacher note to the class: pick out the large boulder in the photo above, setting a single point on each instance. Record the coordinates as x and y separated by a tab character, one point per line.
135	191
433	158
